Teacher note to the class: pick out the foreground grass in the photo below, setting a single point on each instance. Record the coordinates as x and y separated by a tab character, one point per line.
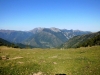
81	61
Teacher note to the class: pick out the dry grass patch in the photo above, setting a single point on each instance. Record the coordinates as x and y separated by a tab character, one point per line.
16	58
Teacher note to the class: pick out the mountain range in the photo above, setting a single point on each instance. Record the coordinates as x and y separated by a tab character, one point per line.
41	37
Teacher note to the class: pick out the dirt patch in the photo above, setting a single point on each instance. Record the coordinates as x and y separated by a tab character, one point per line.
39	73
54	63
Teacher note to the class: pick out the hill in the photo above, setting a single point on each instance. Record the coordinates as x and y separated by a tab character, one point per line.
41	37
83	41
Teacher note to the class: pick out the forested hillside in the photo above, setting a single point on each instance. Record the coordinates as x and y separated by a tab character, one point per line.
83	41
91	42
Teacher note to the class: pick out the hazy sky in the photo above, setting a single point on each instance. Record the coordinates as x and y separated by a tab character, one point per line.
63	14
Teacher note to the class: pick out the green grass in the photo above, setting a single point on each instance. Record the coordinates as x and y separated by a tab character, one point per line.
80	61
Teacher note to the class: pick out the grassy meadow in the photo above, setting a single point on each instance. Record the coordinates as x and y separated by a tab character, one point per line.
79	61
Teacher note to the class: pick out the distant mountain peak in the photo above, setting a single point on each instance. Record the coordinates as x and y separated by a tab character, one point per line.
35	30
39	28
55	29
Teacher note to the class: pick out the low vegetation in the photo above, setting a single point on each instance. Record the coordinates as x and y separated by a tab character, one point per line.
80	61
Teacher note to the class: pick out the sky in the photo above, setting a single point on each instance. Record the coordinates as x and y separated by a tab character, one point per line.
26	15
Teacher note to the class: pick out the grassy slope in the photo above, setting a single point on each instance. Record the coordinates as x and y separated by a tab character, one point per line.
81	61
